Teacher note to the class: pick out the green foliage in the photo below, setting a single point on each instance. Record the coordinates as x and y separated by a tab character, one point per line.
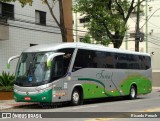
108	18
23	2
86	39
6	81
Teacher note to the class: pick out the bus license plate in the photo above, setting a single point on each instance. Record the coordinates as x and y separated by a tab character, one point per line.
27	98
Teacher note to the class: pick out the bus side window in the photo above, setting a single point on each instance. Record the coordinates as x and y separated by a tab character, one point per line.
67	57
57	68
82	60
110	60
146	61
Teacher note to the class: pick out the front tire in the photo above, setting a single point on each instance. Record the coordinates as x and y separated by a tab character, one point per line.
133	93
76	97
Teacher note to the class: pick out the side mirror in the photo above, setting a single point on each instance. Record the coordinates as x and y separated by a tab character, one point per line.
10	59
50	58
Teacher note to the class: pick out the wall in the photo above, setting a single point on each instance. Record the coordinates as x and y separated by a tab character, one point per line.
156	79
21	34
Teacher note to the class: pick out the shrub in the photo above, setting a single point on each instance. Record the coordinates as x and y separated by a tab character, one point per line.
6	81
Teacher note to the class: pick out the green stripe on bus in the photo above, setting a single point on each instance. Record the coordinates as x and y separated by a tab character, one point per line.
94	80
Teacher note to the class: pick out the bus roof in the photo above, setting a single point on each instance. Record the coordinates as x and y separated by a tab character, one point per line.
56	46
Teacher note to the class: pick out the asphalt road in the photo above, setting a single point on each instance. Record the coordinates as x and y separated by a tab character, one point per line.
143	106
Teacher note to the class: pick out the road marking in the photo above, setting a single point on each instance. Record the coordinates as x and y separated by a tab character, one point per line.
152	110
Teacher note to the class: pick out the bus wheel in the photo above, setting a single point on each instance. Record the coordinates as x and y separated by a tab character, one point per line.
133	92
76	97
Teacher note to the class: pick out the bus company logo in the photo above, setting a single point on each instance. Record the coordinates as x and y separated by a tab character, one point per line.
103	75
6	115
27	93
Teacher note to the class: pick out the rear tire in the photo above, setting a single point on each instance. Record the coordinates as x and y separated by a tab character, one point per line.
76	98
133	93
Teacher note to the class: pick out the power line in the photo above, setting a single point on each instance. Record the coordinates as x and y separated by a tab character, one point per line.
28	28
150	17
158	40
154	43
151	23
31	22
20	27
57	33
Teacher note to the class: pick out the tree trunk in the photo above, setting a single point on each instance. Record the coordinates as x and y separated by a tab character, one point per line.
62	24
137	37
64	34
117	41
116	45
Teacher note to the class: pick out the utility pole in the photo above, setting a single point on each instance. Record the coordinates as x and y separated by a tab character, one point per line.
137	35
146	26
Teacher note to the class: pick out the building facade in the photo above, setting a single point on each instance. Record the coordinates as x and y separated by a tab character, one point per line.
24	27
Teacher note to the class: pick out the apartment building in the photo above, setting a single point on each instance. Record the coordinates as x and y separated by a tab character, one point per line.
24	27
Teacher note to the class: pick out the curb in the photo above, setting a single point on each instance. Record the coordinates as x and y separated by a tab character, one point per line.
157	88
8	104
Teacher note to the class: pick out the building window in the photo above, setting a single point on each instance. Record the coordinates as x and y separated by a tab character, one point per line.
84	20
7	10
81	39
40	17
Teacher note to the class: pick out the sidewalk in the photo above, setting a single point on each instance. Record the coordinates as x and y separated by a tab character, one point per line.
156	88
7	104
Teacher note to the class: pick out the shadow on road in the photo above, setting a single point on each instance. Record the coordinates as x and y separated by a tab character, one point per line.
67	104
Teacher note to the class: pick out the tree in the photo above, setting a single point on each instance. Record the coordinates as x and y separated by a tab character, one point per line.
23	2
50	4
108	18
86	39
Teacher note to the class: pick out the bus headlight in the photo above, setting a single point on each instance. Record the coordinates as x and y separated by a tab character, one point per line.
15	90
43	98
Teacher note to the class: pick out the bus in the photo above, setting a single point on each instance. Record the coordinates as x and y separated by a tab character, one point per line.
74	72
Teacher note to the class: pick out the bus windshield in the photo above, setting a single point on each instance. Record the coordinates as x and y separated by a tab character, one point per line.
32	69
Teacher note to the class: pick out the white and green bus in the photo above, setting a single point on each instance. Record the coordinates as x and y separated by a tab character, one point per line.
77	71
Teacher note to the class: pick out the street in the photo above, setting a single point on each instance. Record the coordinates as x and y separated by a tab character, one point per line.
144	103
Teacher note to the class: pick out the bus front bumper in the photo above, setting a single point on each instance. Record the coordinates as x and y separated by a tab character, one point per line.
45	96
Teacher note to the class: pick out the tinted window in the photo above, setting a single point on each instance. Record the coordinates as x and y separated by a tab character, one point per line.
82	59
104	59
60	64
146	62
67	57
100	59
93	59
